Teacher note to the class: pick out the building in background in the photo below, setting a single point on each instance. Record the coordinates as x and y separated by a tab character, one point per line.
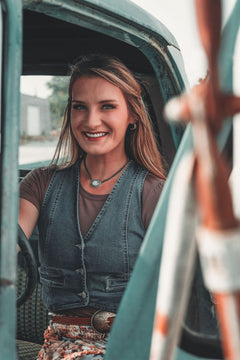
35	116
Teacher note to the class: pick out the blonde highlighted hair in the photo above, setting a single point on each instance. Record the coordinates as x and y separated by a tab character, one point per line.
140	144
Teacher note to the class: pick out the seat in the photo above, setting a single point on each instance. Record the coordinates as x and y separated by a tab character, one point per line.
32	320
27	350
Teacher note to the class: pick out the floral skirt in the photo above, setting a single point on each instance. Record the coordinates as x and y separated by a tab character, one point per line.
72	342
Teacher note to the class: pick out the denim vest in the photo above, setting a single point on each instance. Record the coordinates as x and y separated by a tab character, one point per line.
93	271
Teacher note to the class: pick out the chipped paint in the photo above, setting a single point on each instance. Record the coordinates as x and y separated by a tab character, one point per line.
6	282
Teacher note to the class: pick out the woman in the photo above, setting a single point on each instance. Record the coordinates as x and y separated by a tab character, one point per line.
92	205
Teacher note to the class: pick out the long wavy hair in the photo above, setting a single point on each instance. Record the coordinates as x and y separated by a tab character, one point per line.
140	144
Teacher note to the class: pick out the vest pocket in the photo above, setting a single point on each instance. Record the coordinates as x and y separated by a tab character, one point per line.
51	277
116	284
60	278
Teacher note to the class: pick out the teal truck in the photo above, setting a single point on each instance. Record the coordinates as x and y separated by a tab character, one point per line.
43	37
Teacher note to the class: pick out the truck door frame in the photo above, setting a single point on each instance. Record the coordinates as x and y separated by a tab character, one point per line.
11	44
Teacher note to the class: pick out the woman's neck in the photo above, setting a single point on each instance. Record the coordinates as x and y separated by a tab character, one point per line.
99	169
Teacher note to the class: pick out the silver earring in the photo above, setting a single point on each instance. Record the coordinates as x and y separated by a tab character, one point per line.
132	127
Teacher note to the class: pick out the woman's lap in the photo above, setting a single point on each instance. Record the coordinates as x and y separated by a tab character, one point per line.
72	342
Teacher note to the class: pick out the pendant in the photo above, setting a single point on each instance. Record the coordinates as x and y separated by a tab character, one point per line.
95	183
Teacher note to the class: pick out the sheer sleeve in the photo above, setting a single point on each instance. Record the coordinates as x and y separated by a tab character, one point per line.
152	190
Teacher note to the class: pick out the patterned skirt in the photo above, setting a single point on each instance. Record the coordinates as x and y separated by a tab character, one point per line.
72	342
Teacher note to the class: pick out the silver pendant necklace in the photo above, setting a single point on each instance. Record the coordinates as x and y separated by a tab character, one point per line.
95	183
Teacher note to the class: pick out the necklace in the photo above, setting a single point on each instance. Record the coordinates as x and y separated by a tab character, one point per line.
95	183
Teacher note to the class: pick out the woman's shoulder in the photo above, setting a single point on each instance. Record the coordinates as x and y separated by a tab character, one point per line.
154	183
151	180
34	185
41	174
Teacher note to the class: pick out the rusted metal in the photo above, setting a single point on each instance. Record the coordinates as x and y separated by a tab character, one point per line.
206	107
177	263
6	282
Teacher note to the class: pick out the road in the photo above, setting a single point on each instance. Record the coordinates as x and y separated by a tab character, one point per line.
36	151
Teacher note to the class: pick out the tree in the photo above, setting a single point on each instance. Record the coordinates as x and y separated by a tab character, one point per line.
58	99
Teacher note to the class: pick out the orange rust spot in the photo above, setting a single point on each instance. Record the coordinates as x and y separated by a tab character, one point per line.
161	323
5	282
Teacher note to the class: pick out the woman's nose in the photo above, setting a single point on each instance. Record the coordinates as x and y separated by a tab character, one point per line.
93	118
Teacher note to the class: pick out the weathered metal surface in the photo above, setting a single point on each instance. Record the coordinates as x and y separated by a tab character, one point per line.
9	175
227	49
206	107
5	282
216	203
123	11
178	262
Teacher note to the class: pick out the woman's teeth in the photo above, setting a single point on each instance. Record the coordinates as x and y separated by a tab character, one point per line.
95	135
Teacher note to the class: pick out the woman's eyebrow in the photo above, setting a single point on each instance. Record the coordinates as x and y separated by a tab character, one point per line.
77	101
100	102
107	100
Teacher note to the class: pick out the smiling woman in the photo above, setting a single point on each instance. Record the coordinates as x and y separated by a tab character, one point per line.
99	197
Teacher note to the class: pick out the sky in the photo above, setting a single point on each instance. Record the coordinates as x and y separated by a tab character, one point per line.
179	17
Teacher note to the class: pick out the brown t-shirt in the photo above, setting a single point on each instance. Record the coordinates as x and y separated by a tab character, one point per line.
33	188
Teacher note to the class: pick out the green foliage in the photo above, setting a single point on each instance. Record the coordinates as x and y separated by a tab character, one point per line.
58	99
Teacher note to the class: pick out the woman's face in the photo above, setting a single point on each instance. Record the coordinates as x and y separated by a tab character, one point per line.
99	116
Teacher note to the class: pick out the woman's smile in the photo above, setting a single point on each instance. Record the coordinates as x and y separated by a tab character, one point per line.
95	135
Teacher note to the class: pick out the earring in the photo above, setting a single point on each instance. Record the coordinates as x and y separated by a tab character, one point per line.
132	127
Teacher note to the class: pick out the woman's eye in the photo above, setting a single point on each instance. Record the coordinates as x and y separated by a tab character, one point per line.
78	107
108	106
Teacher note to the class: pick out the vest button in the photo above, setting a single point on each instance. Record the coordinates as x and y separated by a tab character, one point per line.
79	246
79	271
83	295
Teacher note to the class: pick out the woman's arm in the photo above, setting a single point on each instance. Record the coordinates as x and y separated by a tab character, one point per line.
32	191
28	216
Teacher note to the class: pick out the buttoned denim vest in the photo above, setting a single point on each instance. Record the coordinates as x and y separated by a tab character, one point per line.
93	271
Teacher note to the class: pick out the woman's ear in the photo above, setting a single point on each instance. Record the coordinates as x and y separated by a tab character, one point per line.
132	126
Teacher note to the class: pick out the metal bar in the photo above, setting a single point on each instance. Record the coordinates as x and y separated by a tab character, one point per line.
12	14
235	175
178	259
213	194
206	108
